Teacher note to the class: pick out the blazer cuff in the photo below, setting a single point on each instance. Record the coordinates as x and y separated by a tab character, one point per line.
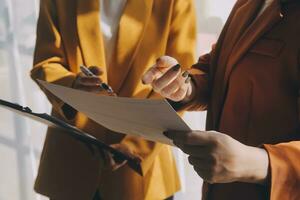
63	78
284	181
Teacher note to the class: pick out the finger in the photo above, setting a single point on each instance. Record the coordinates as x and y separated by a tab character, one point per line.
190	138
162	65
89	84
167	78
96	70
152	74
80	75
90	88
166	62
180	94
89	80
174	86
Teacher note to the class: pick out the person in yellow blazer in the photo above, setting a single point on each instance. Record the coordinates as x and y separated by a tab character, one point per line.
69	34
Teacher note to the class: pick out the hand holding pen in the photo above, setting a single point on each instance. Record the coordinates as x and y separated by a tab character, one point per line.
89	80
111	162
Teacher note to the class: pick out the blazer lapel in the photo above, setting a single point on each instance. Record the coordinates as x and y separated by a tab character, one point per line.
260	26
90	36
131	30
238	23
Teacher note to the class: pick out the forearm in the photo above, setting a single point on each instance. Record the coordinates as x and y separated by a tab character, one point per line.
56	74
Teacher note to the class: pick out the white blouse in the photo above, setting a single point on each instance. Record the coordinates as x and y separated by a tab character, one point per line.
110	15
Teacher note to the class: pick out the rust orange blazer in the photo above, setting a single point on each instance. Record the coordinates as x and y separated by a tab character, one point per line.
250	85
68	35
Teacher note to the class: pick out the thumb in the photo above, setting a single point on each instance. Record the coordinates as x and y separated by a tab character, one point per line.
166	62
191	138
162	65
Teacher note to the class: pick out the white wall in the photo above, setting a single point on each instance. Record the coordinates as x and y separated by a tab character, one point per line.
21	140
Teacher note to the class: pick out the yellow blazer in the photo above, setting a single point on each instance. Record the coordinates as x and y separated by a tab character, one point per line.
68	35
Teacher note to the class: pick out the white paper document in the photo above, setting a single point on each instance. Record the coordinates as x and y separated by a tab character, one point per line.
147	118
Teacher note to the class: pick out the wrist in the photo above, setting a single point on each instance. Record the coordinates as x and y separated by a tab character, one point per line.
257	165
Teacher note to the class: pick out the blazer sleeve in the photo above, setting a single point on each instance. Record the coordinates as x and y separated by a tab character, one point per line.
284	180
50	62
181	45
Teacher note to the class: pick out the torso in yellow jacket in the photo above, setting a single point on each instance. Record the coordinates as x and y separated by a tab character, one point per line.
69	35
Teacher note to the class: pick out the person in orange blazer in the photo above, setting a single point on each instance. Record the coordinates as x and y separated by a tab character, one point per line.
250	86
68	35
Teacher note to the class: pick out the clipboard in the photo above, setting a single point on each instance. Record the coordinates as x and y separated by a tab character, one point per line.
72	131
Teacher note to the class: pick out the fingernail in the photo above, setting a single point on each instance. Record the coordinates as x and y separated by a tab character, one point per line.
185	74
188	80
176	68
105	87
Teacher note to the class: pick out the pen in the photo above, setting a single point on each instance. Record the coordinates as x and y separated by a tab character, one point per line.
88	72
